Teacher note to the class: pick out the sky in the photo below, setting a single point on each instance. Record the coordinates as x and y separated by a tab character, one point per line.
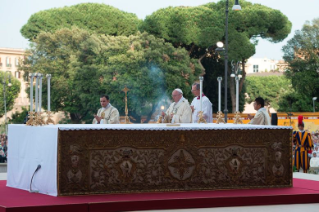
15	13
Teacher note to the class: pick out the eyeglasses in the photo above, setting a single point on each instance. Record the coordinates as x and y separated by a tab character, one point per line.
176	95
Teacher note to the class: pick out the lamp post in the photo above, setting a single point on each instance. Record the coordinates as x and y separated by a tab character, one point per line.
4	97
236	7
313	100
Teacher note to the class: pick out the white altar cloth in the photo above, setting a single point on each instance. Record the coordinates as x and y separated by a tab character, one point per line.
29	147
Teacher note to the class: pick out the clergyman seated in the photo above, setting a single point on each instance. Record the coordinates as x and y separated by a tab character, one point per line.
262	117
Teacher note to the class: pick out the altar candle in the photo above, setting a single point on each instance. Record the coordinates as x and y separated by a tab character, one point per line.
219	79
49	86
201	92
31	92
237	93
40	92
36	92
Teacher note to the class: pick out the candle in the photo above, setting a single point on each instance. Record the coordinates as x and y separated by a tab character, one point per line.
201	92
31	92
49	78
36	92
219	79
40	92
237	93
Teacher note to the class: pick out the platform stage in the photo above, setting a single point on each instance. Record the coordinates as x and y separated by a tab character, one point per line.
16	200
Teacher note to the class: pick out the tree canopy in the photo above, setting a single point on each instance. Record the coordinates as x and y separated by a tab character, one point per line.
85	65
302	55
98	18
270	88
11	92
199	28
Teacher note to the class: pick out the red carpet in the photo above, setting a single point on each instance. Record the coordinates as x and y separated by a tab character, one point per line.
15	200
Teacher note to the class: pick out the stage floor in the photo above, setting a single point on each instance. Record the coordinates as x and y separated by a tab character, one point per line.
15	200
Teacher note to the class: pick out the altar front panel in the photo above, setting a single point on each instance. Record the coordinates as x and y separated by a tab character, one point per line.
92	161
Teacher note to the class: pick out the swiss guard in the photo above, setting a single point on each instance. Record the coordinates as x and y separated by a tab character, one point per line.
303	142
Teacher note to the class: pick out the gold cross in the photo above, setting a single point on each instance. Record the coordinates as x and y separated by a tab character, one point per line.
125	90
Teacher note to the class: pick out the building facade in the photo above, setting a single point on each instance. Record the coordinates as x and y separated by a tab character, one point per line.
10	59
257	65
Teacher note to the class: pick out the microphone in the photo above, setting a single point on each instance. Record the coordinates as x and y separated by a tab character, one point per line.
37	169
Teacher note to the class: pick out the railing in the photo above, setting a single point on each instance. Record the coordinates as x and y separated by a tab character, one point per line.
9	65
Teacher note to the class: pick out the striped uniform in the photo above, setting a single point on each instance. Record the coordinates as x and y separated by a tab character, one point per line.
303	144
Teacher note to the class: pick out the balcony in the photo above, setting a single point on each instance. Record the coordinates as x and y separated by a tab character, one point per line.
0	64
9	65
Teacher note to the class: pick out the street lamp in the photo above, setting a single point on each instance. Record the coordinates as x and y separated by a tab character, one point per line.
313	100
4	97
236	7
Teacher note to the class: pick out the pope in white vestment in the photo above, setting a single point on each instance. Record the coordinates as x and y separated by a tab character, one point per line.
179	111
107	114
262	117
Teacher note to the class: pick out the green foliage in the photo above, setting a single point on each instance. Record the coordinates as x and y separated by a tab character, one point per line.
19	117
98	18
11	92
85	65
196	28
302	55
270	88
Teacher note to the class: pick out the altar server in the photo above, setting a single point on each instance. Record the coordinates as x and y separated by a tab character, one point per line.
206	105
314	161
262	117
303	142
179	111
107	114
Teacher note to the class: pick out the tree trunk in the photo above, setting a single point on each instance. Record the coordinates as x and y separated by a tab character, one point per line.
244	75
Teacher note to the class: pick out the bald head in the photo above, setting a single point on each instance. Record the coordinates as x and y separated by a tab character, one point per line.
177	94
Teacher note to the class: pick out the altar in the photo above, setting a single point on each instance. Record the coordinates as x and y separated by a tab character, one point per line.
134	158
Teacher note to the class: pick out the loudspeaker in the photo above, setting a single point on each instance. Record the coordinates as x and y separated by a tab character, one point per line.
274	119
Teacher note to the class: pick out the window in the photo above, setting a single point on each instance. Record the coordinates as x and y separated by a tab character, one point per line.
0	62
8	62
16	62
17	74
255	68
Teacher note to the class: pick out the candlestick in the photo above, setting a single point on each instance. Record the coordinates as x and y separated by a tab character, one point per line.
237	93
219	79
40	92
36	92
31	91
48	89
201	78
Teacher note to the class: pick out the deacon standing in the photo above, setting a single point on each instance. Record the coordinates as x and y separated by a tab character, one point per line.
206	105
262	117
179	111
107	114
303	142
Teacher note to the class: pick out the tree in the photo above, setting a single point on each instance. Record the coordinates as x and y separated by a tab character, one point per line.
19	117
98	18
11	92
85	65
271	88
197	28
302	55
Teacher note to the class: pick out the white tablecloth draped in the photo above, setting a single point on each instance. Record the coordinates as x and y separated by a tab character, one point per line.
29	147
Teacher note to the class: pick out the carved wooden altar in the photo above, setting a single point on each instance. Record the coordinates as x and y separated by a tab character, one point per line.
128	161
